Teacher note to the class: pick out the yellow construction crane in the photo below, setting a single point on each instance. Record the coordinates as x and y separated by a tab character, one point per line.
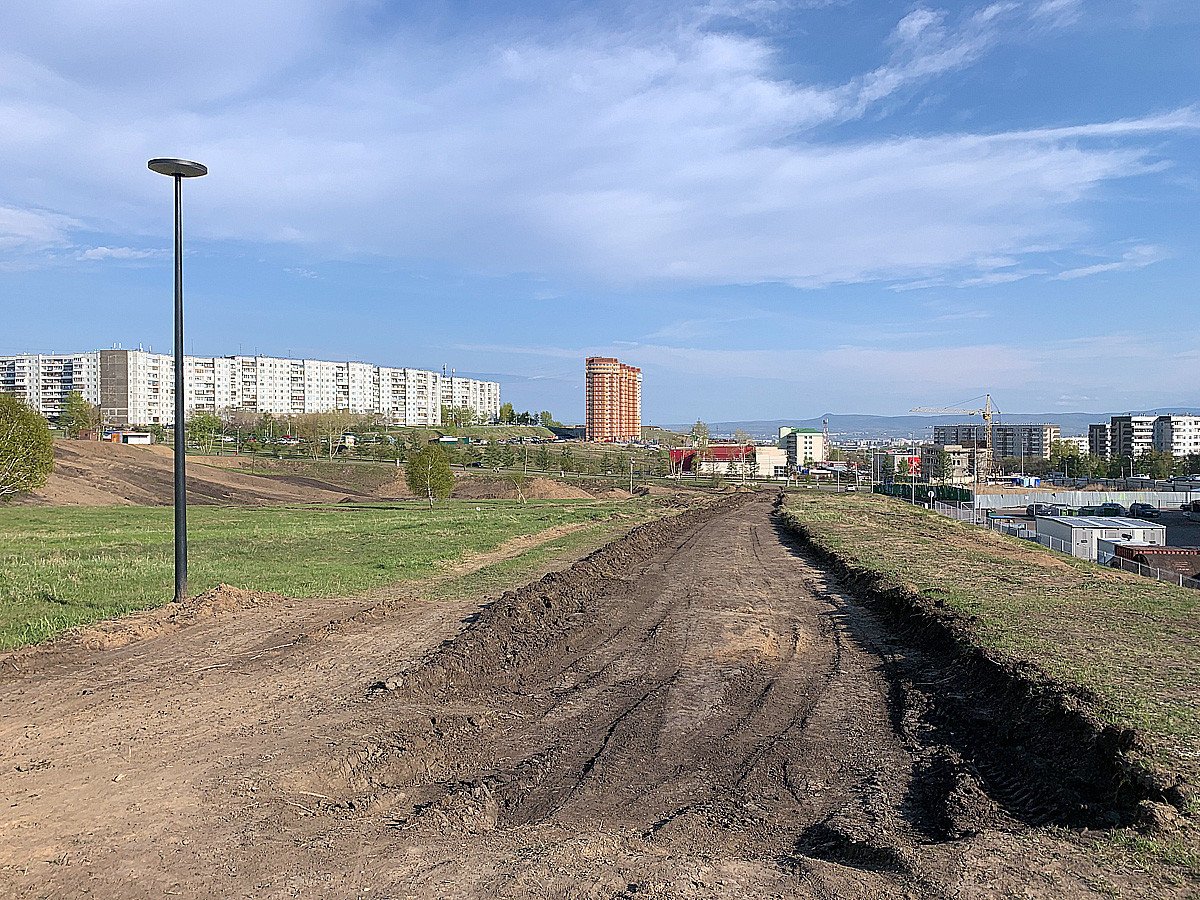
987	412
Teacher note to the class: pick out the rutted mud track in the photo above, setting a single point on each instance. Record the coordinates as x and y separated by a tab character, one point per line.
698	710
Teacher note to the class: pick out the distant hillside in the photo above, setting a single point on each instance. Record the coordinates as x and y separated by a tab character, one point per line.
885	427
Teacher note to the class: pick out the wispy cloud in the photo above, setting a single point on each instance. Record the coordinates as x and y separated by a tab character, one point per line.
656	153
127	253
1136	258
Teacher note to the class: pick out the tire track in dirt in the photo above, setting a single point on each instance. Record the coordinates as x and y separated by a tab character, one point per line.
696	710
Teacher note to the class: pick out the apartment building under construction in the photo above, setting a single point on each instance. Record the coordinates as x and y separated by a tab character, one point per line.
613	400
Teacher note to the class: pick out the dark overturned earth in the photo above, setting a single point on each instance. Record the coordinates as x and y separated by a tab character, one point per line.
699	709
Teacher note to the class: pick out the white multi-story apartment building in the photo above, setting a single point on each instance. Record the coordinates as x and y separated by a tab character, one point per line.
137	387
1177	435
45	380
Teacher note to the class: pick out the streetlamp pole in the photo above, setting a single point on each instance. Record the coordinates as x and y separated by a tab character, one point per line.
179	169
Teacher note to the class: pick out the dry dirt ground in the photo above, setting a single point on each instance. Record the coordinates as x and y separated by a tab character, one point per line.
697	710
94	473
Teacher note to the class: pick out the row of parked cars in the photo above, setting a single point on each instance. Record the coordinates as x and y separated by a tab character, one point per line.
1135	510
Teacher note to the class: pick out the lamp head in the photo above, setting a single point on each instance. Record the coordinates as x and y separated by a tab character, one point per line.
181	167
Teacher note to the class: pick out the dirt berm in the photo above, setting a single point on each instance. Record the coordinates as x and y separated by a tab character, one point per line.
1041	748
700	709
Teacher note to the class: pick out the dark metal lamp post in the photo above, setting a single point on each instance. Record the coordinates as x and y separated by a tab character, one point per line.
179	169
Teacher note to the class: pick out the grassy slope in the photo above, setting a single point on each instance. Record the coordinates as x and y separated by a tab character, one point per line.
61	567
1132	643
365	477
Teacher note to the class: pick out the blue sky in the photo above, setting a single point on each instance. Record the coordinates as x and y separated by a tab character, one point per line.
776	209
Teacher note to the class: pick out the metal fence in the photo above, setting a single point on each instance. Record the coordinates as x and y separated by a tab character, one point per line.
965	512
1053	543
1119	562
1158	499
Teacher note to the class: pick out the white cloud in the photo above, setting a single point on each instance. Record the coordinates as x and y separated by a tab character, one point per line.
1136	258
33	230
95	253
663	152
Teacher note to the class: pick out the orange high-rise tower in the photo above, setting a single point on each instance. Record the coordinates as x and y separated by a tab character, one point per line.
613	400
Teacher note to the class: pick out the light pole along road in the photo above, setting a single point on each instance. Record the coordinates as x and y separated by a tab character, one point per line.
179	169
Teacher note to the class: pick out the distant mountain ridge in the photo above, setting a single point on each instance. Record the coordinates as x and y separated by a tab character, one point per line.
884	427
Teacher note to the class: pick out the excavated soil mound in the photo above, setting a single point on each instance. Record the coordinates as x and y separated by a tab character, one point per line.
138	626
522	624
93	473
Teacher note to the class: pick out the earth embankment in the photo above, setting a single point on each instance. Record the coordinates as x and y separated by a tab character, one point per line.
699	709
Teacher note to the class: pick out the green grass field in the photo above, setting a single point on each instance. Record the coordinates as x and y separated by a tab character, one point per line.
1133	643
67	566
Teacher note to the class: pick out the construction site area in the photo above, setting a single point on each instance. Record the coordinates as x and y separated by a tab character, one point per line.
719	694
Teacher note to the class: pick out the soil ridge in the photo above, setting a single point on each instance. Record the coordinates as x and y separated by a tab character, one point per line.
1033	741
522	624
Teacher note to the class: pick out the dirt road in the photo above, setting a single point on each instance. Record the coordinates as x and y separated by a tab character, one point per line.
695	712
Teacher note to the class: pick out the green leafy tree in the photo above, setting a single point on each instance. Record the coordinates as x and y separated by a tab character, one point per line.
662	463
608	463
887	467
546	420
427	474
78	415
492	458
507	414
566	460
941	465
542	459
26	448
203	429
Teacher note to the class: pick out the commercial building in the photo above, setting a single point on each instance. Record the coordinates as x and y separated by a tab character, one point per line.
959	461
1177	435
1077	535
612	400
137	387
732	460
770	462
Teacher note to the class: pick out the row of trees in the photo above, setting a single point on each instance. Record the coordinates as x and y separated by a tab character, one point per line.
1066	459
509	416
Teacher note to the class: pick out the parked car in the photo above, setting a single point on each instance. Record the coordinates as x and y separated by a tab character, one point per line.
1039	509
1112	509
1143	511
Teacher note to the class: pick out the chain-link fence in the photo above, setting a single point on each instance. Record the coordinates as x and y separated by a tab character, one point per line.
1119	562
